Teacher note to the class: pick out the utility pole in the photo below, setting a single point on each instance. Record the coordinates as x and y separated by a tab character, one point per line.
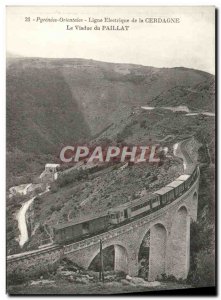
101	273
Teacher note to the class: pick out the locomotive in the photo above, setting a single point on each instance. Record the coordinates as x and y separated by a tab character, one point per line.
120	215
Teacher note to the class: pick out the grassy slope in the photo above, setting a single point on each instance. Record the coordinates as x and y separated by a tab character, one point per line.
110	186
51	102
42	114
199	97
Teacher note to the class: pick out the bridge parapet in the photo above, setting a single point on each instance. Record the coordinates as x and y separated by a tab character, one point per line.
130	226
35	262
126	239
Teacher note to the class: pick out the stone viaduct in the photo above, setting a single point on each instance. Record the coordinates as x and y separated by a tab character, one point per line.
169	240
169	230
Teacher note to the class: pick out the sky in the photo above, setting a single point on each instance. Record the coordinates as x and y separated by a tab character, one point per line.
190	43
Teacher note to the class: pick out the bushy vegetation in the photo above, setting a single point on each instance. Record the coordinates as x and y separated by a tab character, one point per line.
19	276
71	177
108	260
202	256
50	113
202	236
124	134
75	175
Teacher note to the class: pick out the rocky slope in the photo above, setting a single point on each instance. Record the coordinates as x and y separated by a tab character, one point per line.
55	101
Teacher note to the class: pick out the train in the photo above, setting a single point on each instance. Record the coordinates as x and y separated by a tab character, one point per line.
75	231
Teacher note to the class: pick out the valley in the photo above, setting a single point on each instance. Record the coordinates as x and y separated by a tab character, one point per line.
54	102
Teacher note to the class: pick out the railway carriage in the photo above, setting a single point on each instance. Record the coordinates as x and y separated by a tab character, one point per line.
192	170
137	208
166	195
195	173
186	179
119	214
178	187
155	201
134	208
76	230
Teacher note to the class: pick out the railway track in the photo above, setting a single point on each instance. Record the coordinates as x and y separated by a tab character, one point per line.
189	161
185	153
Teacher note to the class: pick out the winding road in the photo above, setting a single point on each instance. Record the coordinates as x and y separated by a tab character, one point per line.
180	147
21	218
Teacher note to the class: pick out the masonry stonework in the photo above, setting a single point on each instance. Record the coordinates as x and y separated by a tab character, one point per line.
169	240
169	243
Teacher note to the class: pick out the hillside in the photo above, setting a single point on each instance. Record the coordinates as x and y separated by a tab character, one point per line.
56	102
199	97
93	192
42	114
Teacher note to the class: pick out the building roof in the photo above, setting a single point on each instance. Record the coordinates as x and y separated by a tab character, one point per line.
52	165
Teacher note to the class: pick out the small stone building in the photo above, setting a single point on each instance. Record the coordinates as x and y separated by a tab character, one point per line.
50	173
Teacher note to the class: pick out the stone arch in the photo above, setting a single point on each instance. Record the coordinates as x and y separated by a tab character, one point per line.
179	244
157	254
194	206
143	251
144	255
195	196
120	258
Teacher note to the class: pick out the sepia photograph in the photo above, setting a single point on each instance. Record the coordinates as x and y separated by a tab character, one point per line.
110	150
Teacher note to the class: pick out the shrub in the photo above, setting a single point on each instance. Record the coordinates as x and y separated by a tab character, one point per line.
71	177
15	278
54	188
143	124
202	261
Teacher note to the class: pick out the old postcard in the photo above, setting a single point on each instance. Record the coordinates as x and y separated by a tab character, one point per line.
110	150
